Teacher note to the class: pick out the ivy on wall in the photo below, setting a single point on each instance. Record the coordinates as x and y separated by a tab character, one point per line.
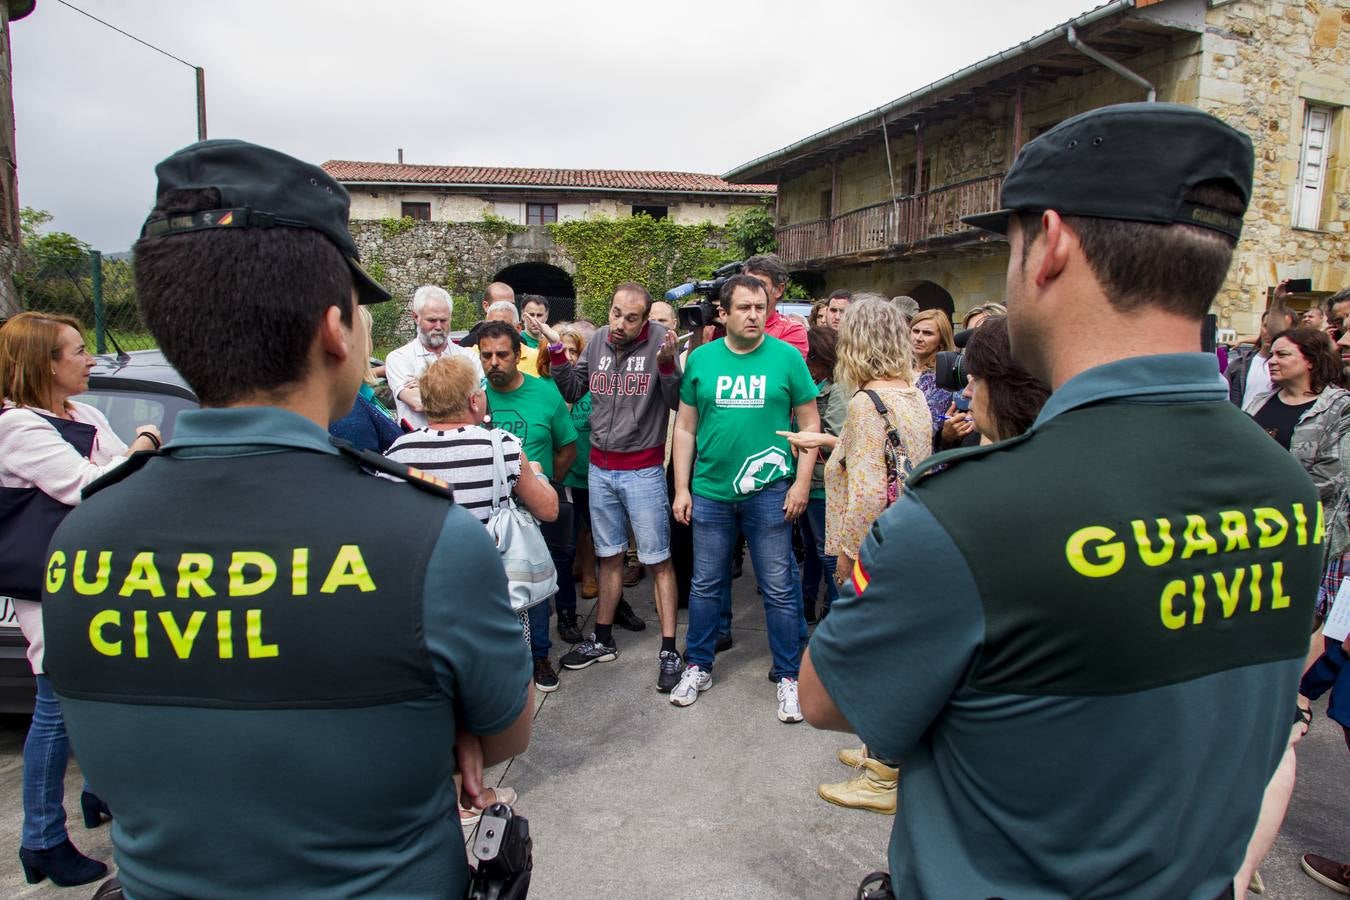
392	228
656	253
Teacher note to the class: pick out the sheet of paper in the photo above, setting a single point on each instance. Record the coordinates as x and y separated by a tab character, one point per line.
1337	626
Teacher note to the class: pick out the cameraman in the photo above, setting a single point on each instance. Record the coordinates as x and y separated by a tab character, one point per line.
768	270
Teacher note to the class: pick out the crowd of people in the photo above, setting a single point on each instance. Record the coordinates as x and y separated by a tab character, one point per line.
879	480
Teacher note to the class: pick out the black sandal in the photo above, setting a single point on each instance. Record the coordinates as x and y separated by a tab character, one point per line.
1303	714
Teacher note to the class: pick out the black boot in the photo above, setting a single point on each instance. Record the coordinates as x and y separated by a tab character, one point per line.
625	617
63	864
94	809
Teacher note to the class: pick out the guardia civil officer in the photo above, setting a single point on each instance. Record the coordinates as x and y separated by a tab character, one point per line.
265	654
1083	644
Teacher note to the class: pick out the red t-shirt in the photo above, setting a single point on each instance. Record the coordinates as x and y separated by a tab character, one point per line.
789	330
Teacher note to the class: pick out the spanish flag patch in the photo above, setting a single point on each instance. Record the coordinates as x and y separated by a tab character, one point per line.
860	578
227	219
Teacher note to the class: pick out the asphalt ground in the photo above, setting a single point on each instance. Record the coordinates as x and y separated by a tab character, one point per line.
629	796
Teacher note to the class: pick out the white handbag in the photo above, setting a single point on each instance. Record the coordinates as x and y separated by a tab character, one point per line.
530	573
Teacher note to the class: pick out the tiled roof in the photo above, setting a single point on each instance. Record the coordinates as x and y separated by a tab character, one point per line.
352	172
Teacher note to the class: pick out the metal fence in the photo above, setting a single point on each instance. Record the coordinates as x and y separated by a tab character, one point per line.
98	291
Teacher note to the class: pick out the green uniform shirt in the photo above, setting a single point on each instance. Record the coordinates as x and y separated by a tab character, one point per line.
1082	645
529	340
742	399
535	413
579	475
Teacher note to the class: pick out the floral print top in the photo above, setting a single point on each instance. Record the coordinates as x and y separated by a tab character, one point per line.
938	399
855	473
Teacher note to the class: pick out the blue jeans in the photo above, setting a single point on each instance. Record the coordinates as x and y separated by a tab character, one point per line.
45	754
815	513
635	498
769	538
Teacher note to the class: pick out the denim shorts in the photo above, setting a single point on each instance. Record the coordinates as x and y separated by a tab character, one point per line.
621	498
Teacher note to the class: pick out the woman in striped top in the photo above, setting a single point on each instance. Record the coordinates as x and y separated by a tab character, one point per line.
455	447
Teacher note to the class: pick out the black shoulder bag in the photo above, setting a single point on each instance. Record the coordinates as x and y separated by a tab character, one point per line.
29	517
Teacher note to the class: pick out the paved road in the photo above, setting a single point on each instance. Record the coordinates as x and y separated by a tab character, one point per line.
629	796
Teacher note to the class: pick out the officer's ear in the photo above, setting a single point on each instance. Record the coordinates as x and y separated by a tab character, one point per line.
337	338
1058	243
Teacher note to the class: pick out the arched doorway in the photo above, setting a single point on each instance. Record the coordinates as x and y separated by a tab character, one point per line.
549	281
933	296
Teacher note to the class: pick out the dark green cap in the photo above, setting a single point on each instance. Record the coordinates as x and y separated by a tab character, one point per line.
260	188
1133	161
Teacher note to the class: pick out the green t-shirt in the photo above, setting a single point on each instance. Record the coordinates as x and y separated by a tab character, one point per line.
528	340
578	476
535	413
742	399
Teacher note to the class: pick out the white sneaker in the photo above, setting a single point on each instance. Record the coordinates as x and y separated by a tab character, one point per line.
693	682
789	709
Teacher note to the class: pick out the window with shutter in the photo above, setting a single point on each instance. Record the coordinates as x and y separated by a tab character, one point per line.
1312	166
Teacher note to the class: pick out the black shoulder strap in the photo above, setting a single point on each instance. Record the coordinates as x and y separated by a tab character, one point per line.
892	436
369	459
948	457
135	462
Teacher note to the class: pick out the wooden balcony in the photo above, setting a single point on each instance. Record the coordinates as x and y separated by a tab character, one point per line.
877	231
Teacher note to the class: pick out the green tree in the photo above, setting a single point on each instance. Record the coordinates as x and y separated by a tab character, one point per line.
53	270
752	232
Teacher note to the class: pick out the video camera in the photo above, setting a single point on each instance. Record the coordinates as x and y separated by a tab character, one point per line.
505	854
700	312
950	365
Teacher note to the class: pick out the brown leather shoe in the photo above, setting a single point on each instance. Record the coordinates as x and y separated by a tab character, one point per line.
1333	874
633	574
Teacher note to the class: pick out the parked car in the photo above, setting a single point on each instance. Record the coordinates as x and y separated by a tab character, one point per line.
132	389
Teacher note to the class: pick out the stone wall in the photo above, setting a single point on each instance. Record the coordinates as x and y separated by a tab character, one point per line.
461	257
387	203
1263	62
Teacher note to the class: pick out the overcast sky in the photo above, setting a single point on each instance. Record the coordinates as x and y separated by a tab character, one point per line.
692	86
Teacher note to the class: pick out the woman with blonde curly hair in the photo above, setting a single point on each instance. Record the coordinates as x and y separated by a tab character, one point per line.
886	431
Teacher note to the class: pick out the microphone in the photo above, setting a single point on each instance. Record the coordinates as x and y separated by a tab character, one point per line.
683	290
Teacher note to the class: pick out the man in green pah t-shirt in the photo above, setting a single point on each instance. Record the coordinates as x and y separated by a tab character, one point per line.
533	410
736	395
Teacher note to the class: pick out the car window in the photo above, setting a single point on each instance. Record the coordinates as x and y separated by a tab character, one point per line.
127	410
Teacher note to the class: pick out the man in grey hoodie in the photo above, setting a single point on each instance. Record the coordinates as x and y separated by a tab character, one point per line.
630	369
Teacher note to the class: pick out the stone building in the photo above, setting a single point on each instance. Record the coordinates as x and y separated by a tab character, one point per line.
474	225
874	203
537	196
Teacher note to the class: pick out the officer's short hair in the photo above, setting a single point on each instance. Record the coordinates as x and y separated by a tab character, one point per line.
1175	267
446	386
235	309
496	329
428	292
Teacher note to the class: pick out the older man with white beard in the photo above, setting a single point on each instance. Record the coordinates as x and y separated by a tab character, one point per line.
431	308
